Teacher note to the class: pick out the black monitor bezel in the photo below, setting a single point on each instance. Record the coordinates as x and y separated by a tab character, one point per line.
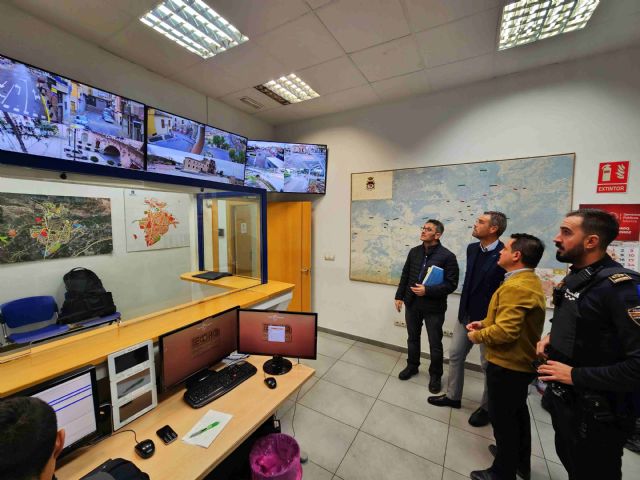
283	312
326	167
161	338
47	384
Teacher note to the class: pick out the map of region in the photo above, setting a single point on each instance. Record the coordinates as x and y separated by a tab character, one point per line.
534	193
156	221
43	227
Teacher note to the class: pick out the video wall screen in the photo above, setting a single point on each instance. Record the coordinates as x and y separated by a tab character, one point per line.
286	167
42	113
179	146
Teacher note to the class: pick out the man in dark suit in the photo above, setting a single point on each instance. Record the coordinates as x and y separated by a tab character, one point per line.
482	278
426	304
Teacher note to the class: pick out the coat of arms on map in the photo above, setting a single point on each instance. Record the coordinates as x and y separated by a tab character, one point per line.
371	183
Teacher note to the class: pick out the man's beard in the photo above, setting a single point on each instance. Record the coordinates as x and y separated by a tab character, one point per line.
570	256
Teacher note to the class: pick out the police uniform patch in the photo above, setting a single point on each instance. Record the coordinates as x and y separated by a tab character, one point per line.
619	277
634	314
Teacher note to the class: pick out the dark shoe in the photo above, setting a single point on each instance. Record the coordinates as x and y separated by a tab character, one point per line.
435	384
484	475
493	450
408	372
443	401
479	418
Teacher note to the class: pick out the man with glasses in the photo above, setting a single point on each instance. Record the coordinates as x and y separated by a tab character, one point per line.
426	304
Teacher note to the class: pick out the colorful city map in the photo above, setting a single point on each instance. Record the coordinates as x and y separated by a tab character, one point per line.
156	222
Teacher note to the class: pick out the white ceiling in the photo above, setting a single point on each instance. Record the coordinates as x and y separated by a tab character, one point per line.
352	52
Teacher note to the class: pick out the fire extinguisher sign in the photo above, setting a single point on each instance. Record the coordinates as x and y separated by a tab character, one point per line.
612	177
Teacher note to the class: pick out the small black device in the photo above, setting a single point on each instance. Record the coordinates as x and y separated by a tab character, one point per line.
146	448
167	434
270	382
212	275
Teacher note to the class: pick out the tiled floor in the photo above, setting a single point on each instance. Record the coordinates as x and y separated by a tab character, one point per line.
357	421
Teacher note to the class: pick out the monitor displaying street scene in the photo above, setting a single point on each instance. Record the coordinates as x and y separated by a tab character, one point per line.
286	167
179	146
44	114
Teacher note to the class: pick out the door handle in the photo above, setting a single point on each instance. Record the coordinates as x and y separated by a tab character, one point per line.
305	270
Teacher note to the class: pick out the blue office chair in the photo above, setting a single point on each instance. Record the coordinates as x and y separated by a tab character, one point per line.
23	312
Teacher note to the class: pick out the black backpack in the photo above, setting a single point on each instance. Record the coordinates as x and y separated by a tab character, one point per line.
85	297
116	469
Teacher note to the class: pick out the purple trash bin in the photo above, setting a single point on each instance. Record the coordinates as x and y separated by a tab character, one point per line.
275	457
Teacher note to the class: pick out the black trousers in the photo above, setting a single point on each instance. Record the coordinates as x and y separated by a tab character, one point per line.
414	316
509	416
587	448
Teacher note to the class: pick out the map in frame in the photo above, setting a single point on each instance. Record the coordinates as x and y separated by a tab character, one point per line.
388	208
45	227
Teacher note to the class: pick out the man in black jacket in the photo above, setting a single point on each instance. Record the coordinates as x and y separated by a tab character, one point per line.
426	304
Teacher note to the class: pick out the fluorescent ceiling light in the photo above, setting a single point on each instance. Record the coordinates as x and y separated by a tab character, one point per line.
527	21
194	25
286	90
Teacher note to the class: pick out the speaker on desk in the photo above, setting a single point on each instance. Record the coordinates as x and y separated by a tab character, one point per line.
105	427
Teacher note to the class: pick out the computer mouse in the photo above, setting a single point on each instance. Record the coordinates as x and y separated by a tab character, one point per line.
146	448
270	382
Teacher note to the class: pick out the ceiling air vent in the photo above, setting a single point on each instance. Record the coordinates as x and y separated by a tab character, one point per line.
251	102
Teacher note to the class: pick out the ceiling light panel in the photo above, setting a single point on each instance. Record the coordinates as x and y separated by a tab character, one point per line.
194	25
527	21
291	89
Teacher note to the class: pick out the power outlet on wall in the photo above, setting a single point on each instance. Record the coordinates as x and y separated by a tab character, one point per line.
399	323
447	333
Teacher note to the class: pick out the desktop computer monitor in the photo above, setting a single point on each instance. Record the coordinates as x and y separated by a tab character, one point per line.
280	334
74	398
189	351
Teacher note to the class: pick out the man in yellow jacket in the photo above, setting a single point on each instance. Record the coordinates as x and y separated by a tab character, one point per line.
510	331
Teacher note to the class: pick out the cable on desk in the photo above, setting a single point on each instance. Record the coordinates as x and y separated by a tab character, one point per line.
126	430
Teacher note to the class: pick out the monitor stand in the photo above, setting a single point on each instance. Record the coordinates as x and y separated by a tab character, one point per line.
277	365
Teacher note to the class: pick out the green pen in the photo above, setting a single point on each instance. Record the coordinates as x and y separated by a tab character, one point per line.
208	427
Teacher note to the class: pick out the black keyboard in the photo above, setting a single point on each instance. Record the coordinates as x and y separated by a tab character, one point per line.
218	384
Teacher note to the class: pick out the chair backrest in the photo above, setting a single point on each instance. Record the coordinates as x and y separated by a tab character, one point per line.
28	310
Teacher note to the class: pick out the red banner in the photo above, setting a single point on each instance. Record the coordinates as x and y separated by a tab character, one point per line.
628	216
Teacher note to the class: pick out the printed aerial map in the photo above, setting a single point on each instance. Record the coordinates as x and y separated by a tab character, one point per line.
389	208
44	227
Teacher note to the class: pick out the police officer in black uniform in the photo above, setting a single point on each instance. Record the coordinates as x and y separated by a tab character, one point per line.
593	351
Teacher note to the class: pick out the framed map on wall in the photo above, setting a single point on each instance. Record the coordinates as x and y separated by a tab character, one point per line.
45	227
156	220
388	208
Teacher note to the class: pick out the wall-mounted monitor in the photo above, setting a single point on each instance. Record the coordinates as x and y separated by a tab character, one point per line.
286	167
45	114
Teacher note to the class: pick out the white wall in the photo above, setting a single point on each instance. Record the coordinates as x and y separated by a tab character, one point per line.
590	107
33	41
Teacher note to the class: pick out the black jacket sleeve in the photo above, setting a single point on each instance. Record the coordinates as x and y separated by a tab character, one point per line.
404	278
450	281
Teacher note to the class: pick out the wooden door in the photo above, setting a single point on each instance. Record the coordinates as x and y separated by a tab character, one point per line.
289	249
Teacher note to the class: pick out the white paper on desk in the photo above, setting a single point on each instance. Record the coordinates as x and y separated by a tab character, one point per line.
205	438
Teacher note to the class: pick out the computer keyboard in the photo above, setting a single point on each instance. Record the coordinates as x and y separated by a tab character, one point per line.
218	384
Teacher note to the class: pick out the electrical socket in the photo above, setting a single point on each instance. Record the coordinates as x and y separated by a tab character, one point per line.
399	323
447	333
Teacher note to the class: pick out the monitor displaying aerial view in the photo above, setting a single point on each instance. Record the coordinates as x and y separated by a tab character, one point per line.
286	167
179	146
42	113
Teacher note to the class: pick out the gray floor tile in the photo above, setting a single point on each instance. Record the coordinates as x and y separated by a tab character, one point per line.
557	471
380	362
331	347
356	378
467	452
473	389
298	394
338	402
547	435
369	458
324	439
408	430
311	471
335	477
630	464
539	413
536	443
376	348
338	338
413	397
321	364
423	373
285	407
451	475
539	469
460	419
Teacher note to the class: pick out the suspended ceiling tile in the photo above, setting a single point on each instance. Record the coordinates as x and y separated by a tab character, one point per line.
358	24
301	43
332	76
233	99
279	116
403	86
466	38
424	14
462	72
317	3
208	78
137	8
390	59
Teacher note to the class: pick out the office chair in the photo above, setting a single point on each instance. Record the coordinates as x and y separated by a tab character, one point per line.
23	312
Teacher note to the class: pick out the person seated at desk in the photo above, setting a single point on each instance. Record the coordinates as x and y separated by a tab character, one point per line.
30	441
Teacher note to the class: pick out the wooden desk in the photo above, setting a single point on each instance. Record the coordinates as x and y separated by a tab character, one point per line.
250	403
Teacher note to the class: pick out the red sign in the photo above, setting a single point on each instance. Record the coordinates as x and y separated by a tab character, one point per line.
612	177
628	216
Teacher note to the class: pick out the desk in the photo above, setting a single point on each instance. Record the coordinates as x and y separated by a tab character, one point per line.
250	403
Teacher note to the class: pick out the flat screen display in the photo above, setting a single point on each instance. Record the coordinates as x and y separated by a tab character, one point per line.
286	167
131	359
200	345
179	146
45	114
269	332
